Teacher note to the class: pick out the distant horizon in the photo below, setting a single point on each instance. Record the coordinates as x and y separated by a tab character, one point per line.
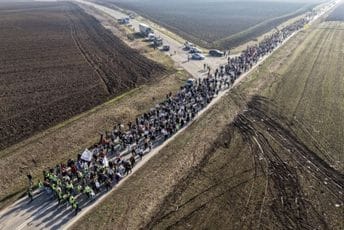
302	1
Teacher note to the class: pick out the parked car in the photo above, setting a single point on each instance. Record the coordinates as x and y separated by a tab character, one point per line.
151	37
197	56
188	45
158	42
123	21
216	53
195	50
166	48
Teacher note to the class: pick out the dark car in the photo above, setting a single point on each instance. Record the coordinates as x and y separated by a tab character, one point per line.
194	50
166	48
216	53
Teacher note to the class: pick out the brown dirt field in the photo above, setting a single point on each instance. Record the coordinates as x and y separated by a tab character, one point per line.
56	62
253	169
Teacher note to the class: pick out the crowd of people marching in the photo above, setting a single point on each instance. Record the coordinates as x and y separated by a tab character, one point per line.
237	65
119	150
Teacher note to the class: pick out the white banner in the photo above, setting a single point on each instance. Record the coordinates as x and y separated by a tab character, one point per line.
87	155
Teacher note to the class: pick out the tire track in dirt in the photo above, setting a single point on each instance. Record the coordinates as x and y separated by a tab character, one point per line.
298	152
203	204
245	213
279	172
290	141
91	63
248	137
284	178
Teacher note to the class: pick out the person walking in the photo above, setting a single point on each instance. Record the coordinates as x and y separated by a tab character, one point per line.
76	207
132	160
74	204
30	194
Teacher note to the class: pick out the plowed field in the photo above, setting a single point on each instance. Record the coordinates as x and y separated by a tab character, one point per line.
56	61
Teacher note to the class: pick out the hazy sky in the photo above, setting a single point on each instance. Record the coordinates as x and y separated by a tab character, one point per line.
220	0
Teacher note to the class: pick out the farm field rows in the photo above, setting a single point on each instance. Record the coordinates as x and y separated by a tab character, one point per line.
268	155
215	24
56	62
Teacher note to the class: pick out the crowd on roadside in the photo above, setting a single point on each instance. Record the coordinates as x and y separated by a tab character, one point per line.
118	150
240	64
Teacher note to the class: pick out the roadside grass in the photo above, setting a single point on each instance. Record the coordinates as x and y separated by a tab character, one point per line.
65	140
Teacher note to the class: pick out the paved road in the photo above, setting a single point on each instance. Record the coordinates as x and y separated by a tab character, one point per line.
44	213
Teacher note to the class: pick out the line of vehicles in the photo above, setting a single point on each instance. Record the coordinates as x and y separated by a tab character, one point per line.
156	41
197	54
194	53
